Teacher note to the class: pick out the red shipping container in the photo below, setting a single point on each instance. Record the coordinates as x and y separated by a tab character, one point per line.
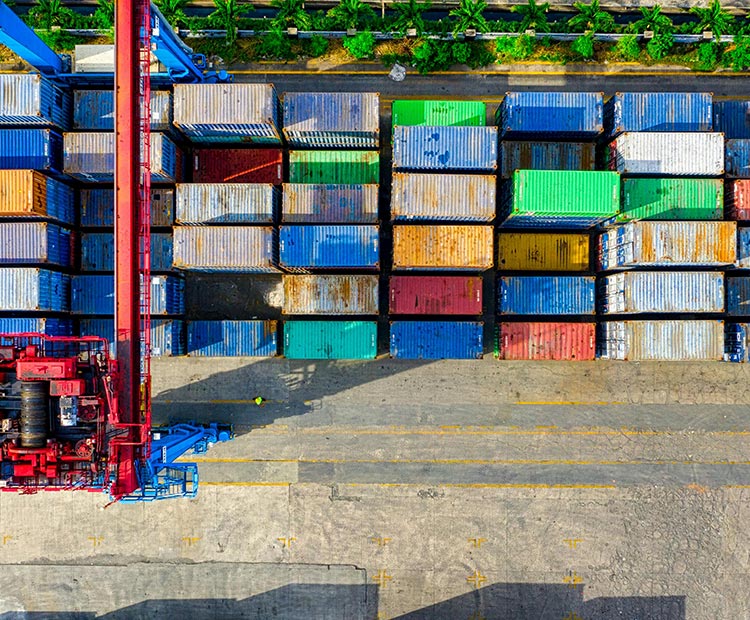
547	341
238	166
737	199
436	295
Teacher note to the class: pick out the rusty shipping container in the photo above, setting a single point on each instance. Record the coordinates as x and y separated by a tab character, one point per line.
226	203
27	193
674	341
527	251
238	166
545	156
442	247
737	199
436	295
330	294
311	203
547	341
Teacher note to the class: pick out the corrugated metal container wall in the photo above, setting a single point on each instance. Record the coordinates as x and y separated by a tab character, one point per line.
679	154
330	339
31	149
738	296
436	340
671	199
542	251
330	294
26	193
334	167
737	198
559	198
94	110
736	342
34	243
226	203
98	252
243	249
232	338
658	112
30	99
545	156
641	341
738	159
654	244
438	295
96	295
98	208
443	247
547	295
49	327
32	289
246	113
547	341
445	148
436	113
238	166
732	118
330	204
443	197
329	247
562	115
743	248
167	335
332	120
90	157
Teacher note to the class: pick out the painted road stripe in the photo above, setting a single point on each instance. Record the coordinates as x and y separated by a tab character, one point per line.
468	461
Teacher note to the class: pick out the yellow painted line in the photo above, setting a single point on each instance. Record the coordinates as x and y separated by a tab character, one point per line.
569	74
332	461
483	485
576	403
245	484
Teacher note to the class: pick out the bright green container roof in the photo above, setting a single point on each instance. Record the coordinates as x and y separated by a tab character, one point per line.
330	339
439	113
672	199
345	167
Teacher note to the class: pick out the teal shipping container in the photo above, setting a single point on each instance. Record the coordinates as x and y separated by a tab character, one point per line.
330	339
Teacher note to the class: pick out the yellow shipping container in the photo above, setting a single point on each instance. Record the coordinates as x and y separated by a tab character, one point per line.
23	192
525	251
442	247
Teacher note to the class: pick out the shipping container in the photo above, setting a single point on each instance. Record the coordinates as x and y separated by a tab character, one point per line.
540	295
167	335
334	167
96	295
232	338
332	120
661	292
330	294
737	199
28	289
98	251
31	149
238	166
437	340
529	115
49	327
559	198
329	247
528	251
30	99
215	113
547	341
438	113
330	339
732	118
743	248
736	342
442	247
226	203
671	199
90	157
94	110
738	159
27	193
34	243
310	203
98	208
545	156
443	197
241	249
668	244
437	295
668	154
671	341
445	148
646	111
738	296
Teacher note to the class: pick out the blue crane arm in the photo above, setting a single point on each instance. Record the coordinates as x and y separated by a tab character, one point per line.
25	43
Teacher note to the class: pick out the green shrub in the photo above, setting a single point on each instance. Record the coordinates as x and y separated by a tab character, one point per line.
276	46
709	56
461	52
432	55
515	48
481	56
627	48
739	55
583	47
660	45
316	46
361	45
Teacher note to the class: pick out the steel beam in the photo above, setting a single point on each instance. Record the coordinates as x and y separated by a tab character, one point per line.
24	42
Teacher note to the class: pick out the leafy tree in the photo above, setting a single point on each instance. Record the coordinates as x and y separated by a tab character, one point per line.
583	46
739	55
515	48
432	55
591	17
49	13
533	16
173	10
660	45
469	16
104	16
351	13
276	45
481	55
317	46
654	20
709	55
360	45
409	15
291	13
627	48
714	18
227	16
461	53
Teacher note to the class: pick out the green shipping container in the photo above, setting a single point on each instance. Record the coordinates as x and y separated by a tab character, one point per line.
560	198
330	340
345	167
439	113
671	199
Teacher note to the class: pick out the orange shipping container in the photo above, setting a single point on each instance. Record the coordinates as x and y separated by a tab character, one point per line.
27	193
442	247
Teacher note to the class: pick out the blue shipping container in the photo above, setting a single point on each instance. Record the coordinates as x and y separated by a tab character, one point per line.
232	338
30	149
560	115
547	295
437	340
738	296
98	208
445	148
167	335
658	112
34	243
329	247
737	159
49	327
94	110
732	118
743	248
30	99
737	342
98	252
96	295
33	289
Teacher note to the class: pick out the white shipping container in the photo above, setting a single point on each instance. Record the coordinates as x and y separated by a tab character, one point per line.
662	340
668	153
225	203
242	249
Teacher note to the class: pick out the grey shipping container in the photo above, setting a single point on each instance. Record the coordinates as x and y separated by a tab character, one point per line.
668	154
31	289
35	243
545	156
312	203
30	99
661	340
226	203
98	207
243	249
94	110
